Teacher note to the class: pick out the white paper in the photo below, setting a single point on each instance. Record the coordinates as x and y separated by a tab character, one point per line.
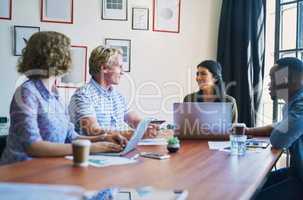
224	146
140	18
4	8
218	145
17	191
105	161
153	141
58	9
77	73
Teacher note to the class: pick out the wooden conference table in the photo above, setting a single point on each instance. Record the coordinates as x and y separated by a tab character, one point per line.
205	173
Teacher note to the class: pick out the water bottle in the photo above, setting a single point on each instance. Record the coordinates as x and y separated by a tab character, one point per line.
238	140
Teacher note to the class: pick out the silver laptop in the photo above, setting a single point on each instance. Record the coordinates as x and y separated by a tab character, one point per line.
132	143
202	120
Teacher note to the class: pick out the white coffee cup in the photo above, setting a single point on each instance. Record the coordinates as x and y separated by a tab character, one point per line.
81	150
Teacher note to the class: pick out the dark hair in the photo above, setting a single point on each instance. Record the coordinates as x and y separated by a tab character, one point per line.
215	68
294	67
46	54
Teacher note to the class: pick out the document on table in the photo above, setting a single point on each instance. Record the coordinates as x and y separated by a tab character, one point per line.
225	146
105	161
153	141
218	145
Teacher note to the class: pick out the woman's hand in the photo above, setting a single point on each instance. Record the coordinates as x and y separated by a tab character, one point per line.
102	147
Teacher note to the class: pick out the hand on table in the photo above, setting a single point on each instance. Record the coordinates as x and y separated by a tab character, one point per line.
152	131
102	147
117	138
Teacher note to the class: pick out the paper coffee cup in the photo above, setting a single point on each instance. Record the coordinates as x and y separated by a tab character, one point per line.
81	152
238	128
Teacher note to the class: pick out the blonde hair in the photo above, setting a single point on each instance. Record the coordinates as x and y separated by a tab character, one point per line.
101	55
46	54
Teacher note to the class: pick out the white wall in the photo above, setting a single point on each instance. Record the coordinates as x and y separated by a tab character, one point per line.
162	64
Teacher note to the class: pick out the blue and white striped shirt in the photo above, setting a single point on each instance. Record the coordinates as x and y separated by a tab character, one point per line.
107	106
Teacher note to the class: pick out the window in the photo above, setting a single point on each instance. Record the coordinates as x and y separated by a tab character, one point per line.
290	28
284	38
289	36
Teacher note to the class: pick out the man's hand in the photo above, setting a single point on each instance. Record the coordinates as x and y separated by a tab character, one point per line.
117	138
166	133
152	131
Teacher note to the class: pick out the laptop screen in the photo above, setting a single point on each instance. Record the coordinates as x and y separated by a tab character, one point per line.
138	135
207	118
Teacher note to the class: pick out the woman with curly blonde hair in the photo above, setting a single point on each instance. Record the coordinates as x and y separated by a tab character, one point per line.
40	125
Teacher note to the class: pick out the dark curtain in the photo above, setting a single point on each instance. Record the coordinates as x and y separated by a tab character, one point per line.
241	51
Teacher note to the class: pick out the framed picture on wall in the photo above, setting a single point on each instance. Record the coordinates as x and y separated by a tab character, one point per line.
166	15
114	10
77	76
125	46
57	11
140	18
21	36
6	9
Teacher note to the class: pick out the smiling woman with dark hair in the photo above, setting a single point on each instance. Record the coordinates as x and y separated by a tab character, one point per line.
40	125
211	86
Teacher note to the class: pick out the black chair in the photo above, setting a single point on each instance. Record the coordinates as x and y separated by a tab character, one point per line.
2	143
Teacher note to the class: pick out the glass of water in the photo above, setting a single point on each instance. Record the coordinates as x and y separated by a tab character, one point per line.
238	140
237	144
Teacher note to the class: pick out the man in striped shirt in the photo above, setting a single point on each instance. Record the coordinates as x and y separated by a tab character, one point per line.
97	108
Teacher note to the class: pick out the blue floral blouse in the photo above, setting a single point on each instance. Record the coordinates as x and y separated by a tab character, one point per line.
36	115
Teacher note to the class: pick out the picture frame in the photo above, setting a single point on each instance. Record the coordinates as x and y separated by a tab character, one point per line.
6	9
114	10
166	16
57	11
78	74
125	46
140	18
21	36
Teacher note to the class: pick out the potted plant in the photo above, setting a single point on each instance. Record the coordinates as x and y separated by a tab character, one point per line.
173	144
